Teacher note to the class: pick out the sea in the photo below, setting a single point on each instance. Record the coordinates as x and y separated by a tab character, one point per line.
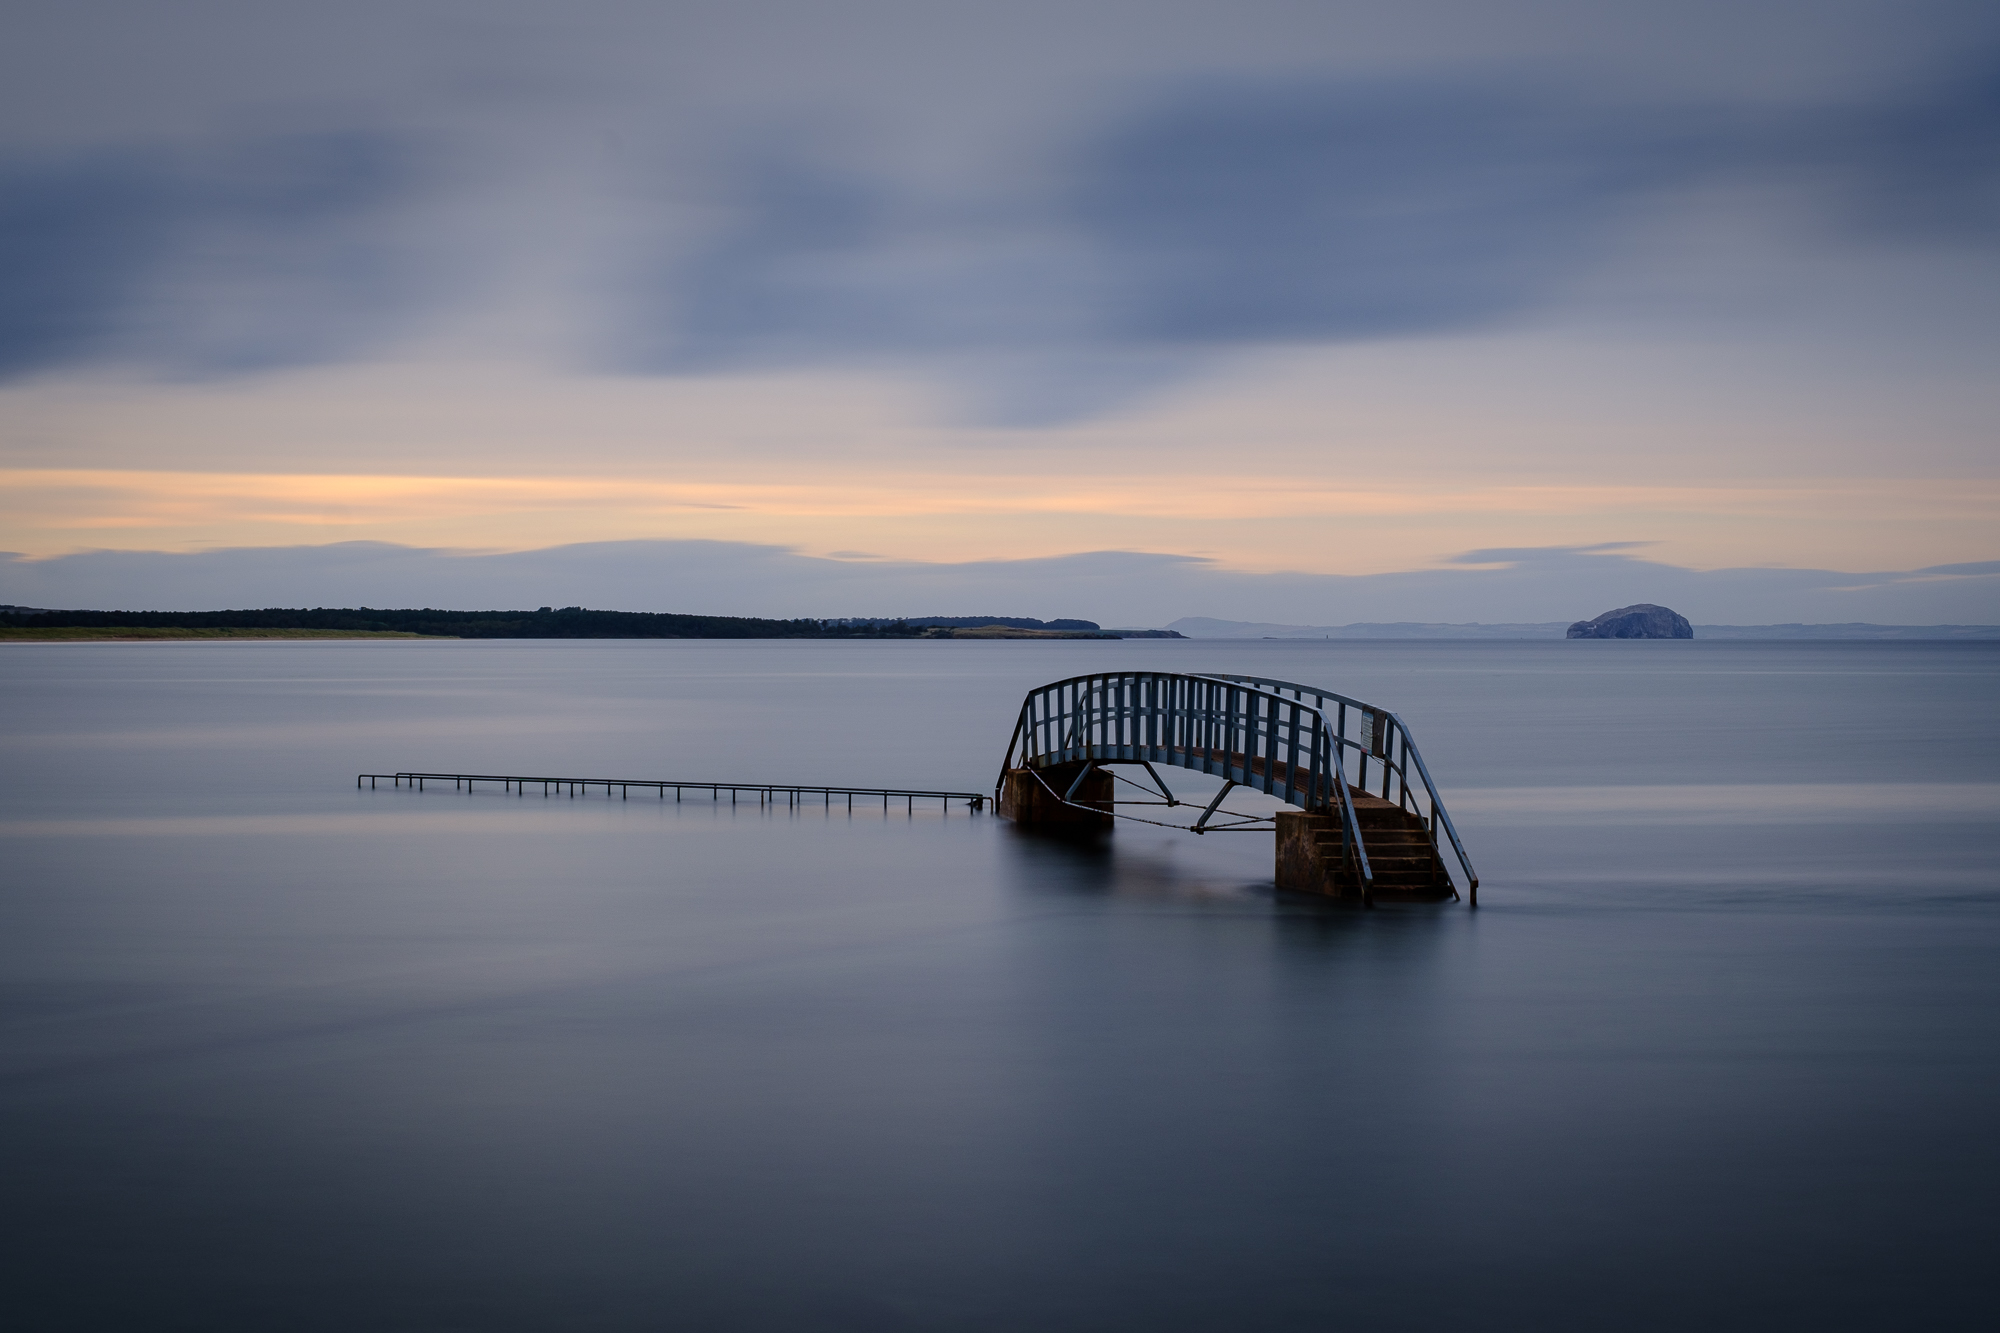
1719	1048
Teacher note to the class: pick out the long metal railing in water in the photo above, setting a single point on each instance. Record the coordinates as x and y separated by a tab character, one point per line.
767	793
1244	729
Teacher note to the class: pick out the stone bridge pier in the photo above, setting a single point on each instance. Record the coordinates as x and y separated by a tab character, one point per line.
1034	797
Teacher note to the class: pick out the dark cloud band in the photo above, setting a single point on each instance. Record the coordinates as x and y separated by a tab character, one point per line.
1213	216
270	252
1256	212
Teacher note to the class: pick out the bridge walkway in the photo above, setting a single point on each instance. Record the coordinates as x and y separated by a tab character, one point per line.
1367	816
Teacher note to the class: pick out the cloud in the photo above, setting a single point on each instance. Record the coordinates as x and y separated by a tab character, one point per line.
1328	211
1223	214
1211	217
239	256
1130	248
1111	587
821	263
1922	169
1515	555
1974	569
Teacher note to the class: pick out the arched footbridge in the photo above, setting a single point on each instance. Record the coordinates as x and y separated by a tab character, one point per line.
1368	821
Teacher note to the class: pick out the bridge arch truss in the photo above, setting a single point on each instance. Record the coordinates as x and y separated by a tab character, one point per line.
1311	748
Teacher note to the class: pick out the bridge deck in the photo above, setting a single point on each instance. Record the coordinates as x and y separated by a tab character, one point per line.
1189	757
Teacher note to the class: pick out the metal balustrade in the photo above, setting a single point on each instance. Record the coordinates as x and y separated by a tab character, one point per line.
767	793
1286	740
1386	738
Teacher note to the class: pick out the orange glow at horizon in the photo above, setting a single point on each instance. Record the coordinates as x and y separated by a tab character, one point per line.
1245	521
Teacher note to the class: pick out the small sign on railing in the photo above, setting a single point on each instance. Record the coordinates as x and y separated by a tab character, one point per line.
1375	733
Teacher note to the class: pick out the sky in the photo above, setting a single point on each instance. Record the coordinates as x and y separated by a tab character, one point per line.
1300	312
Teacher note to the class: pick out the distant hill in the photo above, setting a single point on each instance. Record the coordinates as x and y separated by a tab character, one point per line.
1851	630
1010	632
569	622
1204	627
575	622
972	622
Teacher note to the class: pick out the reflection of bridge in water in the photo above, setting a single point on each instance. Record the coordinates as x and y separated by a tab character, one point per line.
1368	821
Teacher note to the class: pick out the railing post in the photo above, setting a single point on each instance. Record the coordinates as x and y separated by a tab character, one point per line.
1230	740
1292	757
1361	772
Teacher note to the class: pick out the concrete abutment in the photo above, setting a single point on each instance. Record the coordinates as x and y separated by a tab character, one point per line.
1033	797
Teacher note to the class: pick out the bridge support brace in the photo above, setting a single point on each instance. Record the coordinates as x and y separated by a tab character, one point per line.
1034	797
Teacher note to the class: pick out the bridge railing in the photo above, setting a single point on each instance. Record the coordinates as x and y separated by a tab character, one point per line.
1248	735
1378	735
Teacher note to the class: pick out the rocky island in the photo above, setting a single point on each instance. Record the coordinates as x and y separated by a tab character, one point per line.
1642	621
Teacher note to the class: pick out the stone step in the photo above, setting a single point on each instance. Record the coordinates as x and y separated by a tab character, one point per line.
1379	846
1388	837
1388	814
1403	862
1401	879
1383	864
1422	867
1392	865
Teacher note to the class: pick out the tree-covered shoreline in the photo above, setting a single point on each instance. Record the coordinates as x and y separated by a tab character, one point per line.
572	622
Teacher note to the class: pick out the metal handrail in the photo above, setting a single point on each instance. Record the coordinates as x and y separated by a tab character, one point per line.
1080	719
1410	752
518	782
1196	722
1443	816
1389	722
1355	851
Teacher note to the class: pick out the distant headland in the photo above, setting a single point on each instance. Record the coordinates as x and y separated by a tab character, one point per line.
569	622
1204	627
575	622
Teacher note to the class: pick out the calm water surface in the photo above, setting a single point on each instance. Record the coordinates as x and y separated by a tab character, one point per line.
1718	1049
